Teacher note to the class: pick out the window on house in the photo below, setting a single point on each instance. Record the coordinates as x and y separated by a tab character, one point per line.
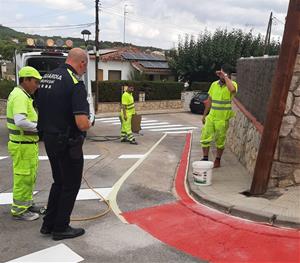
114	75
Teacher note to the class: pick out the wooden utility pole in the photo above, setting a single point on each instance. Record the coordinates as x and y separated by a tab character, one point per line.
277	101
124	29
96	53
268	35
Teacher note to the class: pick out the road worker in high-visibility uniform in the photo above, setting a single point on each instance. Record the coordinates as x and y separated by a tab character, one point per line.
218	111
127	110
23	143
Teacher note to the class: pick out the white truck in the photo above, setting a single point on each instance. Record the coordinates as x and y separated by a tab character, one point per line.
47	59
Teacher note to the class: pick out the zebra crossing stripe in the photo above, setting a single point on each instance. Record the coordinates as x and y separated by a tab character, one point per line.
155	123
173	129
162	126
3	157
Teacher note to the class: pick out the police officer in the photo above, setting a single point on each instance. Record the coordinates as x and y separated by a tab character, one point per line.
127	110
216	122
63	120
22	145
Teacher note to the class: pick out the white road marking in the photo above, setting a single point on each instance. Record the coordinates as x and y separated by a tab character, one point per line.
86	157
162	126
106	119
173	129
45	157
177	132
88	194
7	198
110	121
155	123
149	121
58	253
131	156
116	187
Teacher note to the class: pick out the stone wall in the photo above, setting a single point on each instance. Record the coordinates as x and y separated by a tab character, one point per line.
2	107
286	164
141	106
245	131
244	136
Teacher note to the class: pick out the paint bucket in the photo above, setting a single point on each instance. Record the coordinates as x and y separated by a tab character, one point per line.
202	172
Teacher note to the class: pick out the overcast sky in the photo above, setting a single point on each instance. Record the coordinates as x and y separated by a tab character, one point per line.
148	22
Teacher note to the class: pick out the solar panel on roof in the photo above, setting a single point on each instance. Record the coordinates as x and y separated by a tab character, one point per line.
160	65
142	56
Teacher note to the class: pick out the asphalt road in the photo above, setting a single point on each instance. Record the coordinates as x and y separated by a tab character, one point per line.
107	239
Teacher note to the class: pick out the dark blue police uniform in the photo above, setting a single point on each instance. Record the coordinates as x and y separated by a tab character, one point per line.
60	97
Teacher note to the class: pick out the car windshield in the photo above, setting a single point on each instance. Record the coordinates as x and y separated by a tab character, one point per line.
45	64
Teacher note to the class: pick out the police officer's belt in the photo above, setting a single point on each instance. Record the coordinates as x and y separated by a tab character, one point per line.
22	142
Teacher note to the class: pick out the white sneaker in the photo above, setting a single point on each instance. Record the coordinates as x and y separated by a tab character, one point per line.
27	216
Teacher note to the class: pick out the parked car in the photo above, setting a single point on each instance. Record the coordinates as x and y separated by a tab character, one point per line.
197	104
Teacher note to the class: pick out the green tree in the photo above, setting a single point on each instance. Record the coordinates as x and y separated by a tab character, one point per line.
198	59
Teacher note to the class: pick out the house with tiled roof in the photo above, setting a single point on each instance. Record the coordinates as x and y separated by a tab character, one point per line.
123	63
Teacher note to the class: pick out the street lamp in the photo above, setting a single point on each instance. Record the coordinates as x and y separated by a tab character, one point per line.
86	36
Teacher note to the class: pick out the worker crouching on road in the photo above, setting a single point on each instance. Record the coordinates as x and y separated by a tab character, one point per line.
127	110
219	106
23	143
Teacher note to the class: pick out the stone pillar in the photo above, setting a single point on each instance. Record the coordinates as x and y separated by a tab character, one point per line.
286	165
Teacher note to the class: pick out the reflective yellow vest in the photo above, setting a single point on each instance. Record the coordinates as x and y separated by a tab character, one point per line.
20	102
221	107
128	102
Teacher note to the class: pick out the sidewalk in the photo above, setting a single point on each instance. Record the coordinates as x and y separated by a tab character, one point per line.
279	206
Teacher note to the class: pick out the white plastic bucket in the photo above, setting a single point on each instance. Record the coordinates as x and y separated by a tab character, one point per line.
202	172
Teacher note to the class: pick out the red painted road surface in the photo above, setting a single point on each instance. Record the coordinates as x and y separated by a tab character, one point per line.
211	235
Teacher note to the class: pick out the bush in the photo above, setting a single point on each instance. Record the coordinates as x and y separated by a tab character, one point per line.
111	91
201	86
6	86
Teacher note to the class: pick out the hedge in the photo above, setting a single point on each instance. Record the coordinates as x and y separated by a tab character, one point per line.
111	91
201	86
6	86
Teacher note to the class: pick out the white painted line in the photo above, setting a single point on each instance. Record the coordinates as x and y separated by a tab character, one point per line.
86	157
7	198
3	157
106	119
162	126
155	123
173	129
110	121
59	253
116	123
149	121
131	156
43	158
88	194
177	132
116	187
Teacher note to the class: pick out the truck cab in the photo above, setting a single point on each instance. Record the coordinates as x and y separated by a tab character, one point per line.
46	59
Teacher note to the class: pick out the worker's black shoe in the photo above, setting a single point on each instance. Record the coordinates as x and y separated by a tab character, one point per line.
70	232
134	142
46	230
124	140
